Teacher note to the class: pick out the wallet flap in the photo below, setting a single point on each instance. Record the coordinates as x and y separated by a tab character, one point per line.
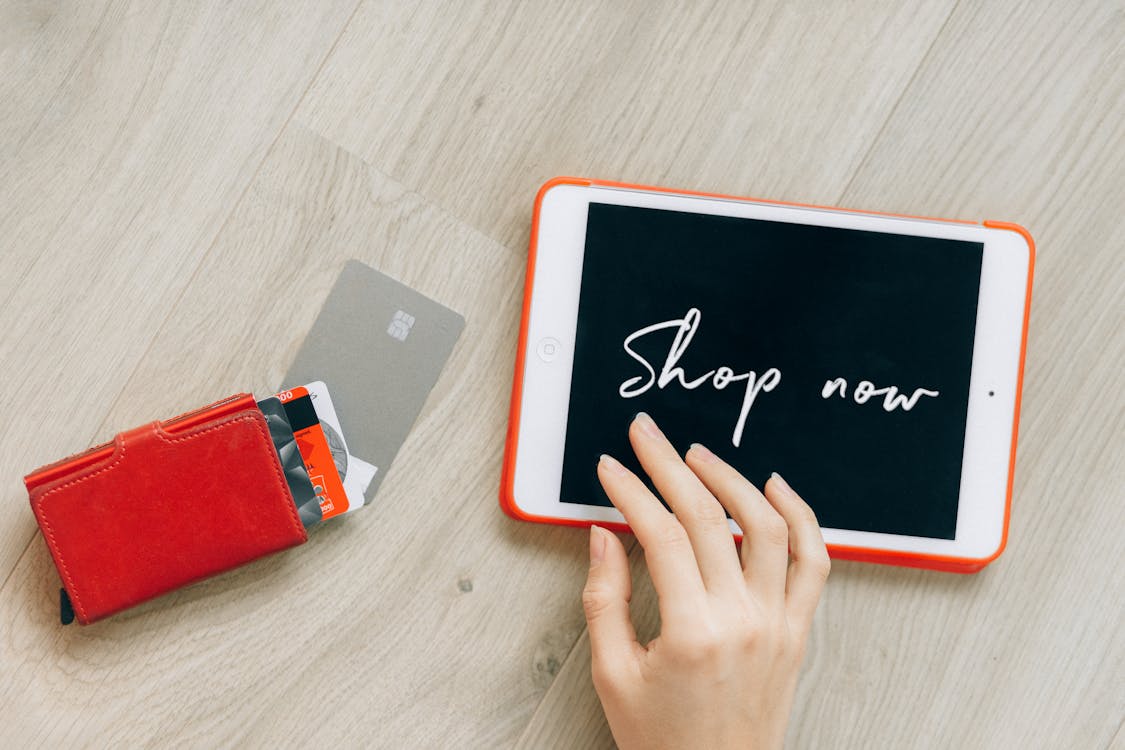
170	503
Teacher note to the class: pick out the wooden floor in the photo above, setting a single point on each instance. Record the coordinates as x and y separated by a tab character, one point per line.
180	185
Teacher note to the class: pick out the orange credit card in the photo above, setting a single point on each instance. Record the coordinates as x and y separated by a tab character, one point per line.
315	451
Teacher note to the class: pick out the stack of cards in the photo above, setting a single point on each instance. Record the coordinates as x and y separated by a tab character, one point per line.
381	345
326	480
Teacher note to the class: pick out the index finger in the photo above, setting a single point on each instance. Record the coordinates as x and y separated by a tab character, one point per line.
671	562
697	510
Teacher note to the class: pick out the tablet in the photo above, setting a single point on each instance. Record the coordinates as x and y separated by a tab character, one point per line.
874	360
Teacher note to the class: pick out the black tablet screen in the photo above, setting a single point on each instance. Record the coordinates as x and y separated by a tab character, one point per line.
839	358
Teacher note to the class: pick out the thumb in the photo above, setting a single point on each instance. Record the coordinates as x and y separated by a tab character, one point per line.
606	598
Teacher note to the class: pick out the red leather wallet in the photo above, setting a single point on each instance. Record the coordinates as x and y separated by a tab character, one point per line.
164	505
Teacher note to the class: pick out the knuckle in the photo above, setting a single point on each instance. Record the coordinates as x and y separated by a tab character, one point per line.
755	627
605	677
671	534
701	648
709	646
706	510
667	464
821	567
595	600
749	636
806	515
775	530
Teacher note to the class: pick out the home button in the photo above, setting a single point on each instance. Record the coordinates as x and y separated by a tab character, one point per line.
548	349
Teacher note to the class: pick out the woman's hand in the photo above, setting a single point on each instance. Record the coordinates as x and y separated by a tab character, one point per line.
723	671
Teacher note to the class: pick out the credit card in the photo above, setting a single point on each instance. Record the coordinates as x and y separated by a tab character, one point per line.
316	453
380	346
355	473
292	464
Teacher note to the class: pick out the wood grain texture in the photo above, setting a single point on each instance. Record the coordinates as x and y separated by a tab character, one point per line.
387	645
728	97
128	132
1040	140
181	183
570	715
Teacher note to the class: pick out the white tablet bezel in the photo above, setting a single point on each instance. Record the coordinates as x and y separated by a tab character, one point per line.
552	320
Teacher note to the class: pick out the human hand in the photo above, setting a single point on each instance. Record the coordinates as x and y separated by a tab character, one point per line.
723	671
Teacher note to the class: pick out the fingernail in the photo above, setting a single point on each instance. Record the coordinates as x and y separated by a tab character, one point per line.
644	421
781	481
702	453
612	464
597	545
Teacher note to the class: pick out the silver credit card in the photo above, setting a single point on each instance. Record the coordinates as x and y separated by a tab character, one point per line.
380	347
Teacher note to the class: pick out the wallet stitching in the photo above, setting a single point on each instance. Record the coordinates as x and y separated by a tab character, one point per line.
52	542
290	506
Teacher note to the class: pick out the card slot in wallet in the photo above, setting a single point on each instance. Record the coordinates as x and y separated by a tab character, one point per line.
164	505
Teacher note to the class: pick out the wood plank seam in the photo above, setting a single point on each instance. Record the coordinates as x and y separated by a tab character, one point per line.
210	248
843	192
894	108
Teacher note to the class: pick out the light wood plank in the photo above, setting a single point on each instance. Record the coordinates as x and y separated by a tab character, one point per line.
136	128
387	623
570	715
153	260
1030	652
1017	116
1118	740
477	108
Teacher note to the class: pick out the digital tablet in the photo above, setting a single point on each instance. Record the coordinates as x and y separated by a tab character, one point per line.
874	360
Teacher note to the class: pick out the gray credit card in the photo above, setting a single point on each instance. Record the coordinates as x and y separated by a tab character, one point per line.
379	346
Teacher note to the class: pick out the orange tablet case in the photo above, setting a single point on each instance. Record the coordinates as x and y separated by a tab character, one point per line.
836	551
